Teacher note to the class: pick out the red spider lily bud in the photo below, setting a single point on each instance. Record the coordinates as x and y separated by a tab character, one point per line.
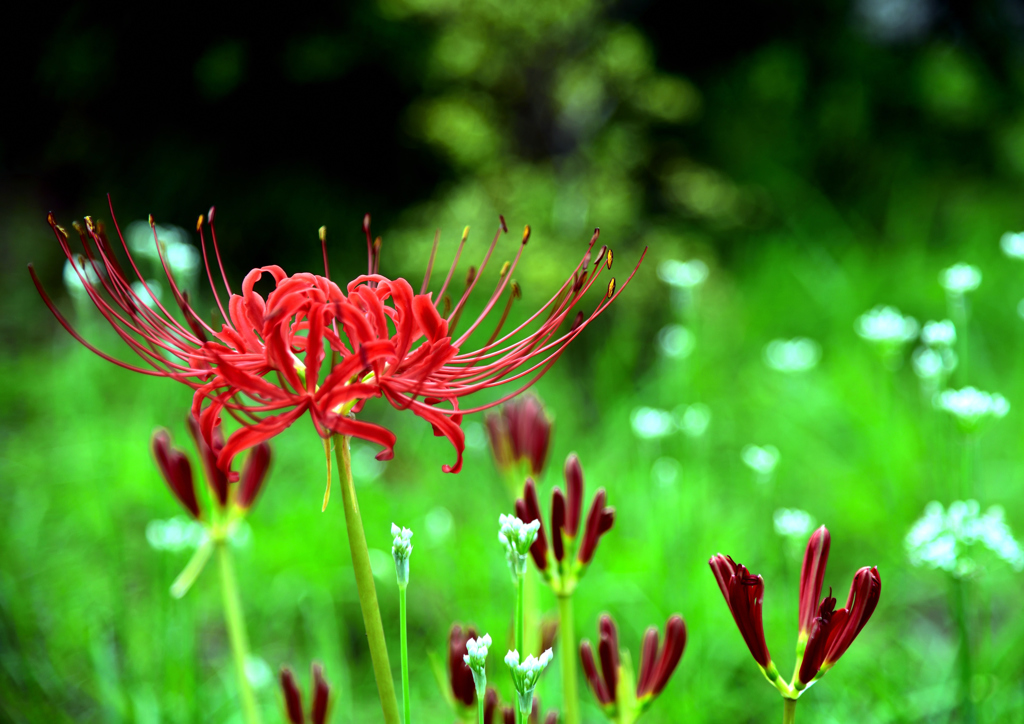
655	670
548	634
528	510
215	477
460	676
520	433
864	594
608	652
292	697
574	491
599	522
822	627
557	524
253	474
744	594
321	695
508	715
811	576
551	718
177	471
597	683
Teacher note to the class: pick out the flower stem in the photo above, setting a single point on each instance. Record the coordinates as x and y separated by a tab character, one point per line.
967	713
405	656
365	586
788	711
479	708
236	630
519	630
567	644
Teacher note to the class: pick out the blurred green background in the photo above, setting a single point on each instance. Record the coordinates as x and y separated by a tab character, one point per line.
818	158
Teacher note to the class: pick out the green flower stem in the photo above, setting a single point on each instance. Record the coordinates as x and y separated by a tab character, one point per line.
567	646
365	586
405	656
479	709
967	466
236	630
520	611
788	711
967	713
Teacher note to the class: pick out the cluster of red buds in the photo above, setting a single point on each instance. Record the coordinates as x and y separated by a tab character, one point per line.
825	632
462	688
520	436
612	684
227	488
293	697
572	552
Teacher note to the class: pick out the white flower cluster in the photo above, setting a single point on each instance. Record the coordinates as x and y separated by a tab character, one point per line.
676	341
792	355
683	274
401	549
517	537
960	278
942	538
1012	243
935	361
80	272
761	459
182	258
476	660
793	523
525	675
886	326
939	334
970	405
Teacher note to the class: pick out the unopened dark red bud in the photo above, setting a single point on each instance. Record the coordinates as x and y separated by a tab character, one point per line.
551	718
648	659
608	650
292	698
460	676
574	494
490	706
508	715
177	471
597	684
531	509
812	573
675	643
744	593
821	629
557	523
599	521
215	477
253	475
321	695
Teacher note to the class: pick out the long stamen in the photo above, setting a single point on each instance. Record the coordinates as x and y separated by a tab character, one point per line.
451	270
430	263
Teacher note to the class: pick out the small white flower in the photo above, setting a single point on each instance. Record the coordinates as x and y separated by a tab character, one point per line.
960	279
401	549
886	326
934	365
78	273
695	420
517	537
792	355
649	422
944	539
970	405
793	523
683	274
676	341
761	459
939	334
476	660
149	296
1012	244
525	675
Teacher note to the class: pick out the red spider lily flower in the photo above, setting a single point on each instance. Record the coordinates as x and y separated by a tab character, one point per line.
744	593
177	471
833	631
312	346
460	676
565	525
656	668
520	433
812	574
293	697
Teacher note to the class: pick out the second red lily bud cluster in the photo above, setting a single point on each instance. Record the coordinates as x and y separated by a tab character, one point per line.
239	490
571	560
825	632
612	684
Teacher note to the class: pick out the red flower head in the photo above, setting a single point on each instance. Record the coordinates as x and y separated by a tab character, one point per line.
655	667
314	347
825	632
293	697
566	514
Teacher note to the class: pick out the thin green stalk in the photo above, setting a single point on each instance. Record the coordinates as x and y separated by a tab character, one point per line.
405	656
567	646
788	711
365	586
520	611
967	713
235	620
479	709
967	467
